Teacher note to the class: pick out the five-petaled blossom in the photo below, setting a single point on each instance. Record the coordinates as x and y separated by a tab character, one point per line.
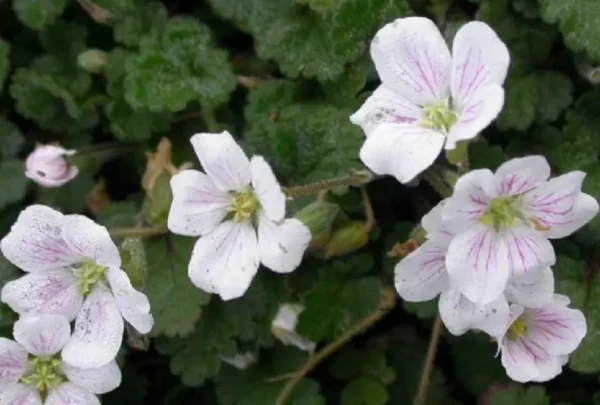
429	97
47	165
503	222
238	210
422	275
74	271
538	341
33	373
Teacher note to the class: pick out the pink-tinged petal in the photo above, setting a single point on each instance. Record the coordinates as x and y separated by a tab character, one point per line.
413	59
49	292
459	314
89	240
522	174
435	226
526	249
557	208
71	394
477	264
477	112
385	106
422	275
223	160
19	394
134	305
96	380
267	189
469	201
98	331
13	360
522	359
43	335
198	205
401	150
532	289
550	369
479	59
35	241
282	245
225	261
47	166
556	328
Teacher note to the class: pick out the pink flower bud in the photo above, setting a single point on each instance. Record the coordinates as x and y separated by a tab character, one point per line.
47	166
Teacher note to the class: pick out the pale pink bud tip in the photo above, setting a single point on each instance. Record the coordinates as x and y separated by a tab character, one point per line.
47	166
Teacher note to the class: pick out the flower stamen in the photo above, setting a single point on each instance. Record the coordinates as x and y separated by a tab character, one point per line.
501	213
88	274
243	205
438	116
518	328
44	373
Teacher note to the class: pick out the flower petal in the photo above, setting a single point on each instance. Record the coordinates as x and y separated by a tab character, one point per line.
522	359
477	112
198	206
223	160
413	59
526	249
13	359
479	59
98	331
422	275
19	394
385	106
469	201
70	394
133	305
401	150
550	369
42	335
87	239
556	328
460	314
225	261
35	241
477	264
282	245
267	189
520	175
558	208
96	380
435	226
532	289
48	292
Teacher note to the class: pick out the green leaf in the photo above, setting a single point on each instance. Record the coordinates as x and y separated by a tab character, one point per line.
118	214
364	391
137	22
70	197
130	125
37	14
167	282
4	62
13	182
11	139
578	22
519	395
483	155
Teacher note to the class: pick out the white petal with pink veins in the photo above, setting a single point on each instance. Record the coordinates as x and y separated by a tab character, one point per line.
133	305
198	205
223	160
522	359
469	201
459	314
87	239
422	275
282	245
479	59
478	111
19	394
13	359
556	328
532	289
435	226
35	241
401	150
43	335
49	292
96	380
413	59
385	106
526	249
522	174
98	331
267	189
71	394
477	264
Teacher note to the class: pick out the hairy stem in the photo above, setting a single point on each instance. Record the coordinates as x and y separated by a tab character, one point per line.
368	207
140	232
436	332
357	178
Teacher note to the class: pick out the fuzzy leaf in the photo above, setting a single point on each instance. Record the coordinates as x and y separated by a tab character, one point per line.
37	14
13	182
11	140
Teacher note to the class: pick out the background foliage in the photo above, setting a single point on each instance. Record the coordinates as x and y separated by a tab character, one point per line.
284	75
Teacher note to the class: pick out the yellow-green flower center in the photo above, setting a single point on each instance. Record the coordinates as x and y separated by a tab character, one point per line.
501	212
438	116
518	328
243	205
43	373
88	274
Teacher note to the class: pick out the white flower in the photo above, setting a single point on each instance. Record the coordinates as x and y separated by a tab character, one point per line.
31	368
47	166
503	222
284	324
241	361
538	341
227	207
428	97
422	276
74	271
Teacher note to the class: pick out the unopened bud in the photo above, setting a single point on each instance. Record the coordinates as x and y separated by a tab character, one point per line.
347	239
284	324
93	60
133	261
48	166
319	217
158	200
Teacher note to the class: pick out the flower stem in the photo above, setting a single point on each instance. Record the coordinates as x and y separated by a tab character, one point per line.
140	232
248	82
436	179
368	207
436	333
357	178
387	301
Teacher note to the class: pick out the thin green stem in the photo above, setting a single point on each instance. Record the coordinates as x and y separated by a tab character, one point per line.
140	232
436	178
357	178
434	341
